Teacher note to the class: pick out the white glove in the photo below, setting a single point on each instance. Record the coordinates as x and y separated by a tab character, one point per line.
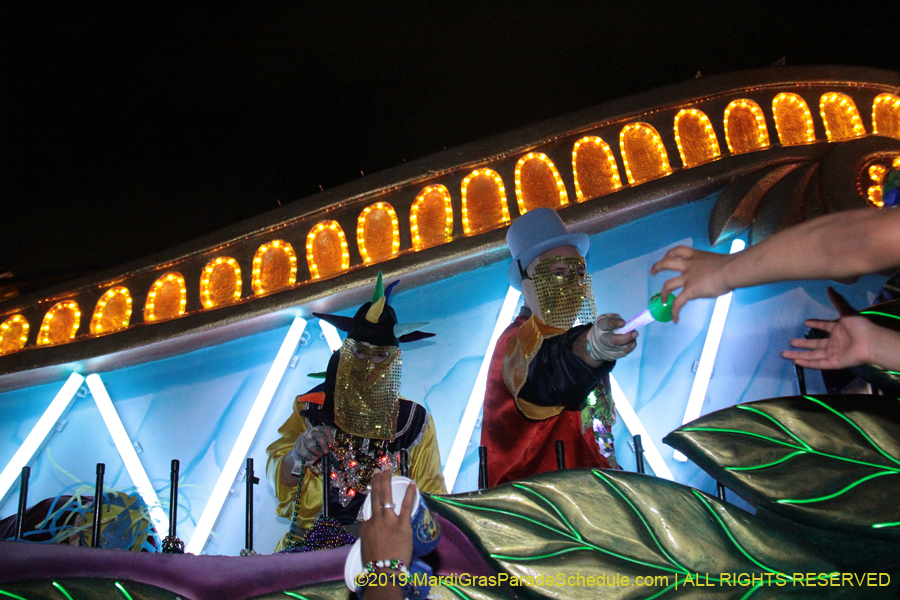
600	345
312	444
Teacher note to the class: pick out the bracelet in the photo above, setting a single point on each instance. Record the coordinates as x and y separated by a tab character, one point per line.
395	564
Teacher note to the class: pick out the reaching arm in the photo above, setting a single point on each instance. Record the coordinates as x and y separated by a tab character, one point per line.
835	246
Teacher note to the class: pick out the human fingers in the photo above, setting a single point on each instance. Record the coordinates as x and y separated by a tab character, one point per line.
607	321
671	285
828	326
387	494
375	495
809	344
804	355
807	363
673	260
623	339
679	302
408	500
328	435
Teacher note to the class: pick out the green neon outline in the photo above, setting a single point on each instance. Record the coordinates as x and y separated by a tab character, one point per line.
773	440
883	525
553	506
62	589
892	372
751	591
855	426
839	492
771	464
641	516
11	595
293	595
122	589
734	541
753	409
875	312
562	533
540	556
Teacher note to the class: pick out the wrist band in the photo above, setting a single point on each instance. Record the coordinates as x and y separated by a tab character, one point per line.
395	564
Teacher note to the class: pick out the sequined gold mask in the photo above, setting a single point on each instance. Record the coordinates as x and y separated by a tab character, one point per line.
367	390
565	298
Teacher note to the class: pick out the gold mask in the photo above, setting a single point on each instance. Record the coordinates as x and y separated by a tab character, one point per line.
565	298
367	390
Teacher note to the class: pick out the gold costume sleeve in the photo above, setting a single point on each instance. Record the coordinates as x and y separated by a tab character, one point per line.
522	349
425	462
310	504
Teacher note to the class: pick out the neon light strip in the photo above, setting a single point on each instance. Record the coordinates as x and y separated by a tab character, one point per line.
39	433
331	335
708	356
245	438
127	452
634	425
476	398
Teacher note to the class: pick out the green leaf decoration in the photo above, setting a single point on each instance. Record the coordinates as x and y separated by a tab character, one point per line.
84	589
552	531
828	461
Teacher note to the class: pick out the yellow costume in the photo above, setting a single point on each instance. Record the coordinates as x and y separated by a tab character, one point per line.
416	430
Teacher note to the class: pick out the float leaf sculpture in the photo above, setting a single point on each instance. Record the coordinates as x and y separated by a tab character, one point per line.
828	461
553	528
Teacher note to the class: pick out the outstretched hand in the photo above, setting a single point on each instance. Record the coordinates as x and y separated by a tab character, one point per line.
388	535
849	343
702	275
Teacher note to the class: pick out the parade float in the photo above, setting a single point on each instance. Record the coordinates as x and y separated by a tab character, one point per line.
197	354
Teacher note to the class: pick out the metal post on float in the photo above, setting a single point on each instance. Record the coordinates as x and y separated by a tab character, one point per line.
639	454
251	481
482	467
172	545
98	506
23	502
560	455
403	459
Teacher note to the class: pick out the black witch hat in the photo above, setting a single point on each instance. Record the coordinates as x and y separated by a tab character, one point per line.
376	322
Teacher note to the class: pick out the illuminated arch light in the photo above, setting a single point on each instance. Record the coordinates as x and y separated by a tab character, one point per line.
793	120
842	121
274	267
696	140
220	282
886	115
112	312
13	334
483	201
643	153
378	233
745	127
594	168
431	217
326	250
876	174
60	324
167	298
542	187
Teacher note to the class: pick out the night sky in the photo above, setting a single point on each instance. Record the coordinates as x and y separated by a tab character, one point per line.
129	128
